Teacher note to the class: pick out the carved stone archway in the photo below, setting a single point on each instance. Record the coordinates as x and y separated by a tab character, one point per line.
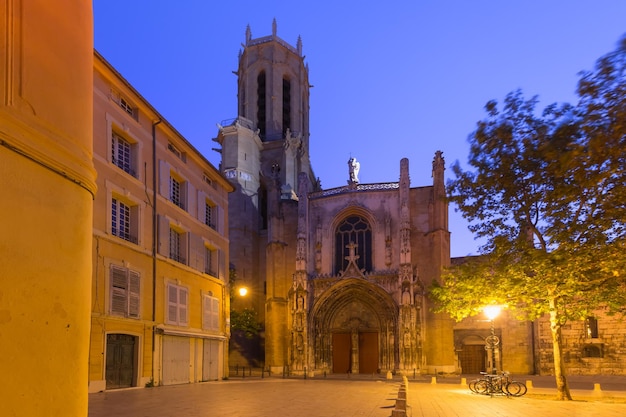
354	327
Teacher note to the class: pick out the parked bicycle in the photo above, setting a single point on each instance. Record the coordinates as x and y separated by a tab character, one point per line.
490	384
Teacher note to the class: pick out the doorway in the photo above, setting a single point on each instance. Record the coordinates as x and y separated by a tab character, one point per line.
120	361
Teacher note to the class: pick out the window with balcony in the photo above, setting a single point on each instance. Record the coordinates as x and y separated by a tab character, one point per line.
124	287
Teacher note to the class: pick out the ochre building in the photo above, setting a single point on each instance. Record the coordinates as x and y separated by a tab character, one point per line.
160	300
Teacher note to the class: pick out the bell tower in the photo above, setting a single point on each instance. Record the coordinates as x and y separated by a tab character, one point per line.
264	150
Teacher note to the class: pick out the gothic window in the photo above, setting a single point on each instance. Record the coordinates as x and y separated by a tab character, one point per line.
355	230
286	105
260	115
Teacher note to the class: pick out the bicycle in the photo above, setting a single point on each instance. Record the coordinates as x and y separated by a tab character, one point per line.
497	384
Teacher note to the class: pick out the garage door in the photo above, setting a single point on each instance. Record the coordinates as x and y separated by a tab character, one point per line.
176	360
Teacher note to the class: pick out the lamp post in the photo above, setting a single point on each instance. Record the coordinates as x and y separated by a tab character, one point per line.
492	340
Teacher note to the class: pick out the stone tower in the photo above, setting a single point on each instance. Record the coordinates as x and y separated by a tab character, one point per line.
263	151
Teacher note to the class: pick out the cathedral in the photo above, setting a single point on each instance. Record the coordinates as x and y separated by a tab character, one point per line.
337	277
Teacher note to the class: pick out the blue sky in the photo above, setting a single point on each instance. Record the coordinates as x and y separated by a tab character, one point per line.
393	80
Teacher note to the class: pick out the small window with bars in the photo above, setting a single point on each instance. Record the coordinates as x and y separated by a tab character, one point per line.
177	192
177	246
210	261
210	215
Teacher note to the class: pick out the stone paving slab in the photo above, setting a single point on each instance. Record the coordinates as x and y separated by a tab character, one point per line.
342	397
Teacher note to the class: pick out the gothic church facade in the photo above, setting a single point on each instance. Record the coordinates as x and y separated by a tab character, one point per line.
337	276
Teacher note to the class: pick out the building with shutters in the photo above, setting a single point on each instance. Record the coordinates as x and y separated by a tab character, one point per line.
160	248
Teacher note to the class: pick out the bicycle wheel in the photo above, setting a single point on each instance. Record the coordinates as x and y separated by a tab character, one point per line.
472	384
516	389
482	387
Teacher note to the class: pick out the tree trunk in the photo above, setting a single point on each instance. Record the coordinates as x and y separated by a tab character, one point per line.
559	368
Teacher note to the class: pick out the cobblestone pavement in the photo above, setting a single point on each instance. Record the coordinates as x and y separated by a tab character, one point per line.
344	397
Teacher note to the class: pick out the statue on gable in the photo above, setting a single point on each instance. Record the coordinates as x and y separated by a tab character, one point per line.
353	167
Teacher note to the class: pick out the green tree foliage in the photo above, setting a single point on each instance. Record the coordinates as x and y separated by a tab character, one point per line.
245	320
547	194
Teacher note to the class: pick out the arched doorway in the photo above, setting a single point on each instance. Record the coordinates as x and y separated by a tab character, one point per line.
354	325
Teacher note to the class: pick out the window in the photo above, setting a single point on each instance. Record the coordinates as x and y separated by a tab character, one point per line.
210	215
177	246
124	220
177	304
123	154
286	105
210	312
592	351
178	193
210	261
127	107
260	114
354	233
591	328
173	149
124	290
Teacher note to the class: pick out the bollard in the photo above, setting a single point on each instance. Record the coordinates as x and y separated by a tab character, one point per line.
401	404
463	381
389	375
433	380
529	384
597	390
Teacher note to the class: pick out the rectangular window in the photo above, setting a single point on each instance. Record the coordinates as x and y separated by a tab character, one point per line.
591	327
210	217
178	192
124	290
210	313
210	261
177	304
177	247
124	220
123	154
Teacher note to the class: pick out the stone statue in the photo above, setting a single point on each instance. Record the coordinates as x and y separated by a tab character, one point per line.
354	167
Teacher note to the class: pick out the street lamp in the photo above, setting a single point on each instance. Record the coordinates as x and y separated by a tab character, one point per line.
492	311
243	291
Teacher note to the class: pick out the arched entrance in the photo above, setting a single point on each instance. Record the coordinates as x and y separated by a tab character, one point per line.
354	325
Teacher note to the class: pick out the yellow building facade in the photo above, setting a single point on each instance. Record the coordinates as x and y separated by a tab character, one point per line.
160	300
48	185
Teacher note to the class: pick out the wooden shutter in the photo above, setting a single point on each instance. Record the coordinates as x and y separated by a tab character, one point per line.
133	294
164	179
172	304
164	236
215	314
182	305
119	290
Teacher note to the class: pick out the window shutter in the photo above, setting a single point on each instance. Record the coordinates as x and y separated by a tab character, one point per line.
119	290
164	236
172	304
215	310
201	207
182	306
190	198
206	312
133	294
164	179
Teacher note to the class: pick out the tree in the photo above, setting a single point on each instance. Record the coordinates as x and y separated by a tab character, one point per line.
547	195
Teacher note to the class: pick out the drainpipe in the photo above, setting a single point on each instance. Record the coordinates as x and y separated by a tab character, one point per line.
154	238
